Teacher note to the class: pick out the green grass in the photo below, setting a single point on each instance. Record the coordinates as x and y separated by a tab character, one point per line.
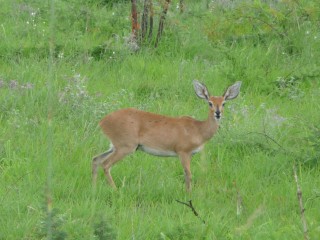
271	126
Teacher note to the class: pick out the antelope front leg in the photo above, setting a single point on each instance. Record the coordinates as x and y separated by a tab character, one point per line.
185	161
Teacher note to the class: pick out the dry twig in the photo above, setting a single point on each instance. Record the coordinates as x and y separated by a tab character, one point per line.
189	204
302	209
240	205
250	220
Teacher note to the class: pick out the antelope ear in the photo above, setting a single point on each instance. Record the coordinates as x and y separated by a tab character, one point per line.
232	92
201	90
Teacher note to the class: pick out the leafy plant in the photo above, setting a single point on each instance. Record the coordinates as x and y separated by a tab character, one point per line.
103	229
289	87
51	224
312	156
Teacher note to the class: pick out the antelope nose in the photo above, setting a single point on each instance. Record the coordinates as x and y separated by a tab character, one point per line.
217	114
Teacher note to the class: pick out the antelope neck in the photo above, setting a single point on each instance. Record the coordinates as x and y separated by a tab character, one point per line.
209	126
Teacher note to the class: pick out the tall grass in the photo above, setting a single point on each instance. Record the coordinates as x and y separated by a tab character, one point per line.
271	126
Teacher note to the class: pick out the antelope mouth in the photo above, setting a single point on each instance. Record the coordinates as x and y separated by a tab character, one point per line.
217	116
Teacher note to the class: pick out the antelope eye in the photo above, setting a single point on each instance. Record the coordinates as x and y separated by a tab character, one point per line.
210	104
223	104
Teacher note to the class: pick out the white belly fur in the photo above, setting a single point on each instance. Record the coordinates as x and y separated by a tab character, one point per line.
157	152
164	153
197	150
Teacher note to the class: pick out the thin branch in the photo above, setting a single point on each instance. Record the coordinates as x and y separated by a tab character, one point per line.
299	191
268	24
189	204
302	209
268	137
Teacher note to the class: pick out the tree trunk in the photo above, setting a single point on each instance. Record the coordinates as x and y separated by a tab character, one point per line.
144	21
161	22
150	20
134	18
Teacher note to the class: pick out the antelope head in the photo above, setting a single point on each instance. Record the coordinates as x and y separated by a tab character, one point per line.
216	103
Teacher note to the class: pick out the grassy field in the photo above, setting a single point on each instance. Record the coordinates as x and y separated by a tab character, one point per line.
243	182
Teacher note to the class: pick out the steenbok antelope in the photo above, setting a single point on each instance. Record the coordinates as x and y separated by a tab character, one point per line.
131	129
